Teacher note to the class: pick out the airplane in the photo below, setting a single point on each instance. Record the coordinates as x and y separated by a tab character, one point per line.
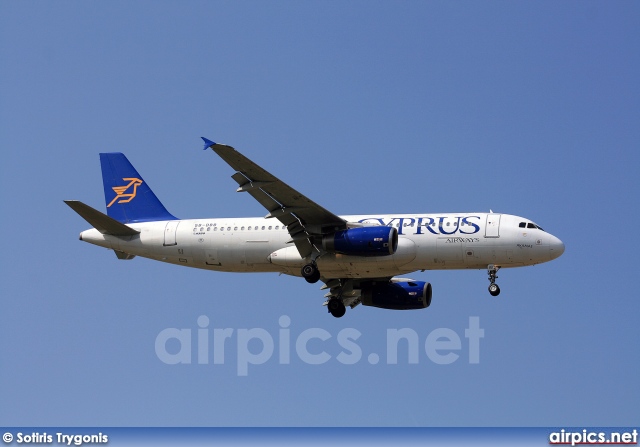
358	257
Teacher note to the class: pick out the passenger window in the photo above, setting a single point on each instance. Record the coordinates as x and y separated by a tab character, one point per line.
277	227
228	228
215	228
242	229
269	226
522	225
263	227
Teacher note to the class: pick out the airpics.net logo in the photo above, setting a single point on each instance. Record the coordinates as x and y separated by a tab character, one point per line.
207	345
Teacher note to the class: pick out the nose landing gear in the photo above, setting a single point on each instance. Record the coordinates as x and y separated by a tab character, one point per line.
494	290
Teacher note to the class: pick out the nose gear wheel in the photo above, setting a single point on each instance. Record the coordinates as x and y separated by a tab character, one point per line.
494	290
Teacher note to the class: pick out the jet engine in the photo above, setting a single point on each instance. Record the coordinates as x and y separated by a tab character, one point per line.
364	241
399	295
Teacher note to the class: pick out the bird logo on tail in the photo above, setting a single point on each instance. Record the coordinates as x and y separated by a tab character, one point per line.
121	191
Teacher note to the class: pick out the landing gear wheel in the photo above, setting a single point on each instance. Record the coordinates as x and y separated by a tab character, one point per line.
494	290
311	273
336	307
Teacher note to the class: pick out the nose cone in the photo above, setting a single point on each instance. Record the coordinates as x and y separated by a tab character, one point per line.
556	247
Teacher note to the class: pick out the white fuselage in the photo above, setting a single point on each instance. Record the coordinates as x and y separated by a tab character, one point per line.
426	242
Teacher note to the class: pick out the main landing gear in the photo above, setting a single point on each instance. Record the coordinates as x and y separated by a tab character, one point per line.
494	290
310	272
336	307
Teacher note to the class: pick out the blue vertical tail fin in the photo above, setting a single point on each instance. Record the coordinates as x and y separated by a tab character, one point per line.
128	198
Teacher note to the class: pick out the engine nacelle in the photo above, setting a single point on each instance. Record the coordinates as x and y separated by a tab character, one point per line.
403	295
365	241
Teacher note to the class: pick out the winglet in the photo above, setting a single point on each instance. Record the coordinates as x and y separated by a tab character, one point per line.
207	143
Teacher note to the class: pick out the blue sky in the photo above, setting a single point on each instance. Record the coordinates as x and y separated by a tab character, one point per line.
526	108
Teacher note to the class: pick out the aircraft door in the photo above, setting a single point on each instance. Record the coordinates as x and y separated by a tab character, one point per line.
170	232
211	256
492	228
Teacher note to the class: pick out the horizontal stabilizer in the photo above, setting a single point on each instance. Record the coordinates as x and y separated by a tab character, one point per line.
124	256
101	222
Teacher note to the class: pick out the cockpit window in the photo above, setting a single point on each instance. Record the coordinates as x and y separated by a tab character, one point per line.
529	225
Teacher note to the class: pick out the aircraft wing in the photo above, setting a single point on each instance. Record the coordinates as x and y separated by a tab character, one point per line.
304	218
